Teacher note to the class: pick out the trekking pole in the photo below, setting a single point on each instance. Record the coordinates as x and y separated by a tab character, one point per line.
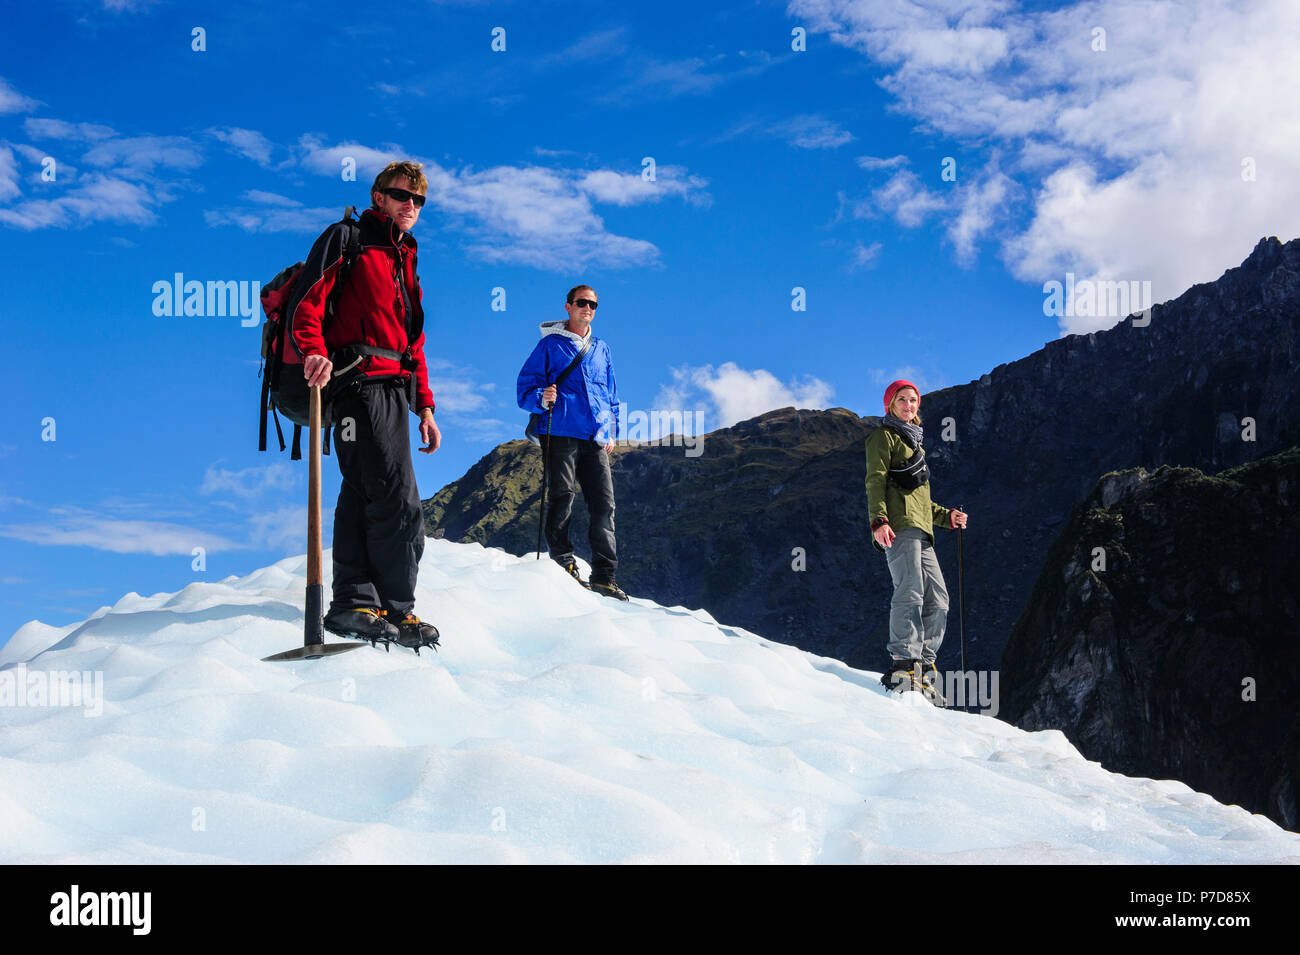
313	630
961	605
546	458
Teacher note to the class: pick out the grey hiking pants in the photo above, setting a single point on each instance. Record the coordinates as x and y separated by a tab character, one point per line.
918	613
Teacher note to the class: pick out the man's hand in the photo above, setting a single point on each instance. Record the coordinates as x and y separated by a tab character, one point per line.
548	396
317	370
956	518
429	432
884	535
609	448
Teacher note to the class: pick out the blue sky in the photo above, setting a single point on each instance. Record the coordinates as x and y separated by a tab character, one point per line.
1157	151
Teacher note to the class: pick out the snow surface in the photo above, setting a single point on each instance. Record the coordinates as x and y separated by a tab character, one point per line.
554	726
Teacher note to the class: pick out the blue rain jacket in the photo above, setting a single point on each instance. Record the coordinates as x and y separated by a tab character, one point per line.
587	403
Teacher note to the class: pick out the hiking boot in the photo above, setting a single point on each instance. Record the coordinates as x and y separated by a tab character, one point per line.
903	676
360	623
571	568
607	588
415	633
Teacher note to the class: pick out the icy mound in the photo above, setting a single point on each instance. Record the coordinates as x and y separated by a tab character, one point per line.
554	726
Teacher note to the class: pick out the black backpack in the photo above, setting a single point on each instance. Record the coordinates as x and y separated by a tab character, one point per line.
284	388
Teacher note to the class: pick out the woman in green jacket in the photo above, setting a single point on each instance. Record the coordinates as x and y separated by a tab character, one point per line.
902	518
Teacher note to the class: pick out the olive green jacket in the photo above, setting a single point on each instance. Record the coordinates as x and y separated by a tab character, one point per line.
886	449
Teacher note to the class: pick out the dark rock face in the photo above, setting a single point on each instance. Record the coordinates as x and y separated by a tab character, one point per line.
1163	634
1017	448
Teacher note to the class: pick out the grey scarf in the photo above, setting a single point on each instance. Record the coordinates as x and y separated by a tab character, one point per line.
912	432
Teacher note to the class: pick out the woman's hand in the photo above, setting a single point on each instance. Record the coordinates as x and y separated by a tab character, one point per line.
956	518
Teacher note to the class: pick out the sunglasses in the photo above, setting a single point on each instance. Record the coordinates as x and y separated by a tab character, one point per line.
585	303
401	195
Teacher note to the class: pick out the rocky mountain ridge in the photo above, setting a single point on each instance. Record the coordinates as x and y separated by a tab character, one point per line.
767	528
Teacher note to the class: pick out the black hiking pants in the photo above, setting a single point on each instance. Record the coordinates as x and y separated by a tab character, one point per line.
586	462
378	523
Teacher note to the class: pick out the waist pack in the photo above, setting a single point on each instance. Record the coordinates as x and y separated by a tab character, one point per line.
284	386
914	472
533	430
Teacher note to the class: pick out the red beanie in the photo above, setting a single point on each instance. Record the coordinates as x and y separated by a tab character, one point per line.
895	388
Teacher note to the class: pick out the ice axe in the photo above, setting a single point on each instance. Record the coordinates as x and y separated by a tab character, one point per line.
313	631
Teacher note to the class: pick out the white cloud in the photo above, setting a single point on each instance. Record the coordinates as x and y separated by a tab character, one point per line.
980	205
971	207
536	217
459	395
284	529
273	217
270	198
600	45
12	101
1140	147
249	482
629	189
94	198
247	142
865	255
136	155
65	171
671	77
8	174
125	190
649	76
272	212
812	132
485	429
802	132
329	160
907	200
876	162
129	6
526	215
61	129
736	394
117	536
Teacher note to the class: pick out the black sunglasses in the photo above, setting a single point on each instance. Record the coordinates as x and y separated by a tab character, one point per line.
585	303
401	195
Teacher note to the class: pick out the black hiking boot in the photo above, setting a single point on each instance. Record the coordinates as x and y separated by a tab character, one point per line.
903	676
360	623
607	588
415	633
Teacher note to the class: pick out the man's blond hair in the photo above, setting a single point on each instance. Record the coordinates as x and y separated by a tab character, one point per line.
405	169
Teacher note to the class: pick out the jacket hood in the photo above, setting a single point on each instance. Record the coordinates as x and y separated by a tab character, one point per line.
558	328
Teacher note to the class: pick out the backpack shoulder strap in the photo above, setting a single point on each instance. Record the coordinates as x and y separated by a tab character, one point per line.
351	251
582	353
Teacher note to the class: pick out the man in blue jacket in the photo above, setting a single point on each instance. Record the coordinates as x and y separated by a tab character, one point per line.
583	422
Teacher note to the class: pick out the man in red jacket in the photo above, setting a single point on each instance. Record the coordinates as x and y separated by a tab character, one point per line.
370	355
